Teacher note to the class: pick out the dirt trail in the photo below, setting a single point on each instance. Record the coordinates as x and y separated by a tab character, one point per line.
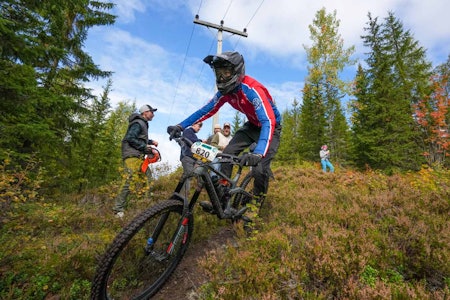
188	277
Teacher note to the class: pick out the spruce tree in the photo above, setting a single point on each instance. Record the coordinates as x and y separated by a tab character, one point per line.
312	123
237	123
43	71
290	141
397	76
91	149
361	108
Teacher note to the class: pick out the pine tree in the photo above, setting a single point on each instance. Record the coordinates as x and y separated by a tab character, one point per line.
396	78
43	68
290	140
361	108
237	123
91	148
312	123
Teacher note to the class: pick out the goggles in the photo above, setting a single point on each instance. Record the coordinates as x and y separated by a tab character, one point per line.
223	74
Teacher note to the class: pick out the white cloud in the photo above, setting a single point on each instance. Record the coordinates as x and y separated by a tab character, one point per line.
280	27
126	9
285	94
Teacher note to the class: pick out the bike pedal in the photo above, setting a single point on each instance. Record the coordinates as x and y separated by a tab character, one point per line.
207	207
246	219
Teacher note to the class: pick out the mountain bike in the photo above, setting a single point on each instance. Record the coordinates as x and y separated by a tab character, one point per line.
147	251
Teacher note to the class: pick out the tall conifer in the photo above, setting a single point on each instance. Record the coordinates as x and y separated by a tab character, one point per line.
397	76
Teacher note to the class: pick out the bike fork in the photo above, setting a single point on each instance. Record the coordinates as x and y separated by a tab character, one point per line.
181	233
154	236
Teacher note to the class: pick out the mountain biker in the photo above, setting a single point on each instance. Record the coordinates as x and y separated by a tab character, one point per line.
135	145
250	97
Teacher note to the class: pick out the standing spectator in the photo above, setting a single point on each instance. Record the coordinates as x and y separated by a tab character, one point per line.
135	145
186	158
222	137
216	130
325	159
250	97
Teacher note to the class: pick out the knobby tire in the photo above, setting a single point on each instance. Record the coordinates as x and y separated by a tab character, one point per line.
241	200
127	270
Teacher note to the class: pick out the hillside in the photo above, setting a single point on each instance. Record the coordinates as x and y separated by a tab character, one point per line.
347	235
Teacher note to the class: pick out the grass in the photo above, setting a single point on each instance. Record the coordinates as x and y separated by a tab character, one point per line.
347	235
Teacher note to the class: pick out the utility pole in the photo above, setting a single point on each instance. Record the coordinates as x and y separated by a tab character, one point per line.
220	28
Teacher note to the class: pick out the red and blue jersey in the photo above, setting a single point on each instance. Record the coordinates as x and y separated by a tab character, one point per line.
252	99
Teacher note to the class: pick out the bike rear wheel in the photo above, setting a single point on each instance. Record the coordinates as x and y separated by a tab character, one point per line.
130	267
241	200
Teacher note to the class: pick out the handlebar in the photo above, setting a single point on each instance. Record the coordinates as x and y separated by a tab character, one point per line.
230	158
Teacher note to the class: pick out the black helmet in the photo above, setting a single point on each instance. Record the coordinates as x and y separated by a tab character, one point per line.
234	62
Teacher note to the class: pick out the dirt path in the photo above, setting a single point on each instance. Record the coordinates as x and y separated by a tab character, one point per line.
188	277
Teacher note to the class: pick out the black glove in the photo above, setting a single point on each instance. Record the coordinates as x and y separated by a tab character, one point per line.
250	159
174	131
148	150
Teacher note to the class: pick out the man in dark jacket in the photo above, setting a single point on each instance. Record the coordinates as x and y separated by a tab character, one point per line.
135	145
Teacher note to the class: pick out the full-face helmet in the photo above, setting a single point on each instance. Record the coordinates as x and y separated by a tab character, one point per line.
229	69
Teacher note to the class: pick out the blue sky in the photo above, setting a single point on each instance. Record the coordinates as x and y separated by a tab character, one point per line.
155	51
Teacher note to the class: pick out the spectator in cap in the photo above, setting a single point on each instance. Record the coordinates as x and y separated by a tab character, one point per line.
222	137
135	145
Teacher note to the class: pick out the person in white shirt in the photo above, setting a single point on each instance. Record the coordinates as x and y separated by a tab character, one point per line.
222	137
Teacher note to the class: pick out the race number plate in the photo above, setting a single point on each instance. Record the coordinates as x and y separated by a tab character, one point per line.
204	151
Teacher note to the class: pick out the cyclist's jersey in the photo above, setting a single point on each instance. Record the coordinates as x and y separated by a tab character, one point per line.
252	99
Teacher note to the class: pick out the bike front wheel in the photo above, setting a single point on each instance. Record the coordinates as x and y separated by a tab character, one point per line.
144	254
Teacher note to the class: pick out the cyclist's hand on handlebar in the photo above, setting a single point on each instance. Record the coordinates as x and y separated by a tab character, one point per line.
174	131
250	159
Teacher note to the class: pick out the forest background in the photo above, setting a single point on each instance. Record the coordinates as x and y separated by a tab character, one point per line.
56	136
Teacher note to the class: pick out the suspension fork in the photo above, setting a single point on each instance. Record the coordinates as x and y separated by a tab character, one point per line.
155	234
182	233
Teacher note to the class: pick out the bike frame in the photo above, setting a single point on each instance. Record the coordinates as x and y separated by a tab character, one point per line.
202	172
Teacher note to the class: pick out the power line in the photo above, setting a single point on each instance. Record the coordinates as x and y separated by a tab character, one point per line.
220	29
228	8
200	6
251	19
254	14
182	66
